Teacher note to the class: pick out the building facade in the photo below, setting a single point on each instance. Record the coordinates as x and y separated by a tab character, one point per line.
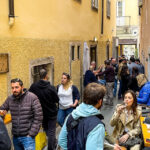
56	35
127	23
145	35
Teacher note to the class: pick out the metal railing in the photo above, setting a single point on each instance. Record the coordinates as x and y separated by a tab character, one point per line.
123	21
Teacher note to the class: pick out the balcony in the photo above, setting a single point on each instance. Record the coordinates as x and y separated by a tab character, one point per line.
123	25
123	21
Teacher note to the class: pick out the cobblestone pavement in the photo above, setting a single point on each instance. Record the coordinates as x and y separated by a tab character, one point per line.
107	112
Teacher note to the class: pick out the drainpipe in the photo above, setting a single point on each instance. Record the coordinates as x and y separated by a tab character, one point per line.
11	13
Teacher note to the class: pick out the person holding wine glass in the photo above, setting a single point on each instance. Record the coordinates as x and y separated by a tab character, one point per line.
126	120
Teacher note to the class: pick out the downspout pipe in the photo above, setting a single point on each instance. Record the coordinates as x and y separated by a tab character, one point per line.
11	13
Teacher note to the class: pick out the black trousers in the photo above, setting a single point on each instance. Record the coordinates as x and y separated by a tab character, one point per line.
50	129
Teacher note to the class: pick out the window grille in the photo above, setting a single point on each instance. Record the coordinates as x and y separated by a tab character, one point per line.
120	9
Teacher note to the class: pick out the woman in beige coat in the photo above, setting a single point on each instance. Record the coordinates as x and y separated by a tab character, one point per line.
126	120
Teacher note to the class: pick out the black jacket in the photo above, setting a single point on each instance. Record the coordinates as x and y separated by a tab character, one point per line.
89	78
132	84
5	143
109	74
48	97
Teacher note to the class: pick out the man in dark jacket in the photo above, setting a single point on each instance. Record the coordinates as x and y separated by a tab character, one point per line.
110	78
48	98
26	113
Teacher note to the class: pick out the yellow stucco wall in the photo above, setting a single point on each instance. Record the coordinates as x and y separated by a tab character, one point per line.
131	9
47	32
22	51
109	32
51	19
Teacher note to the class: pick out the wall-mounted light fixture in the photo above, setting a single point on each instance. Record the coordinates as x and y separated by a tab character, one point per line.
95	39
11	12
108	42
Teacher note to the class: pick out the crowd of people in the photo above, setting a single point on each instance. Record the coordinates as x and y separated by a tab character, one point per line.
130	74
81	124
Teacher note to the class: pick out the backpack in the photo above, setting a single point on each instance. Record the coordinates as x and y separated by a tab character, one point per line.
79	129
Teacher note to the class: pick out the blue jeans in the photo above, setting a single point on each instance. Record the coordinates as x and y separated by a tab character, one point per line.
115	88
24	143
62	114
120	87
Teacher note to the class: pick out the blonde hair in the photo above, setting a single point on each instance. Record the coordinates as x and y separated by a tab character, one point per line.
141	79
68	84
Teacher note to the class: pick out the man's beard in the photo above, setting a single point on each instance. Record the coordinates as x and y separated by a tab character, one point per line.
17	94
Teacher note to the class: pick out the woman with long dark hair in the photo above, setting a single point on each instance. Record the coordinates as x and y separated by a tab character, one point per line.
133	85
126	120
125	76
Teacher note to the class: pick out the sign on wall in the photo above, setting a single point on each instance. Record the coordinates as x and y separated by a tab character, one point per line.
4	67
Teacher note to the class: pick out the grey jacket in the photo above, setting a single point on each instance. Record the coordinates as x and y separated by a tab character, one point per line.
26	114
130	66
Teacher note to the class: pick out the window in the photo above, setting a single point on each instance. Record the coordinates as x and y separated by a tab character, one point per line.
36	71
36	74
42	63
108	9
107	51
72	52
93	53
78	52
120	10
94	4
